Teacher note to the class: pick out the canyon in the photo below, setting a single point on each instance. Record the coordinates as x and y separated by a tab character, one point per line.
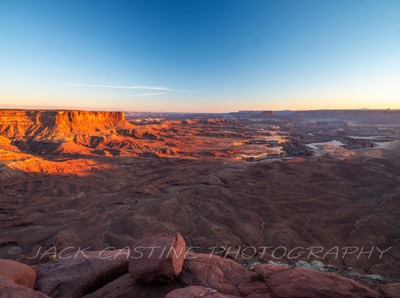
267	182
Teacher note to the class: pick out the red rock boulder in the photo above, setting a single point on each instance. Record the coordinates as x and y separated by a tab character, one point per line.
78	274
17	280
391	290
197	292
125	286
18	273
307	283
222	275
9	289
264	271
157	259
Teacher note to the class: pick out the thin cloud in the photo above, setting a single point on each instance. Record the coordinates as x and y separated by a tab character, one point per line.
149	94
68	69
139	87
346	82
111	93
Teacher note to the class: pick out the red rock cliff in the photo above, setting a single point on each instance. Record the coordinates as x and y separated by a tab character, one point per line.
59	124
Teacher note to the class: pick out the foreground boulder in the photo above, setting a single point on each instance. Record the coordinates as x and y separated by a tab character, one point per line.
264	271
224	276
125	286
306	283
159	267
391	290
17	280
18	273
157	259
9	289
230	278
197	292
76	275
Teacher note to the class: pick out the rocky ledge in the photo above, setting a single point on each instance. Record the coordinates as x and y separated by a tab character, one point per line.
160	266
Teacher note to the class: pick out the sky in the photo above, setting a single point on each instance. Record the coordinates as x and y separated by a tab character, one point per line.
200	56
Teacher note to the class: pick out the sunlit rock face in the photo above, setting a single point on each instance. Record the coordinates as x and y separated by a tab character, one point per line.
110	134
66	132
57	124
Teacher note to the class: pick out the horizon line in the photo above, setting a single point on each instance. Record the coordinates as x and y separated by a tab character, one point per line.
187	112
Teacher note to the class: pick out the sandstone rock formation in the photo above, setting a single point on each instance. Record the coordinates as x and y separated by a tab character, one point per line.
125	286
73	133
59	125
157	258
222	275
8	289
306	283
213	276
78	274
18	273
17	280
64	132
391	290
104	274
197	292
217	277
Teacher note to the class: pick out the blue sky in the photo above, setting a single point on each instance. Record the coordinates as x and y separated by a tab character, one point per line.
200	56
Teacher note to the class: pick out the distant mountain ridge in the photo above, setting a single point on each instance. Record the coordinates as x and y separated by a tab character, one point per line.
362	116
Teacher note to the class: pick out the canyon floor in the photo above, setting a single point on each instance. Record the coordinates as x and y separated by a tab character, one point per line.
226	185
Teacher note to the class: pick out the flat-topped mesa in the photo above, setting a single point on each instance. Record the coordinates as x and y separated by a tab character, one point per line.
82	120
85	117
60	124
